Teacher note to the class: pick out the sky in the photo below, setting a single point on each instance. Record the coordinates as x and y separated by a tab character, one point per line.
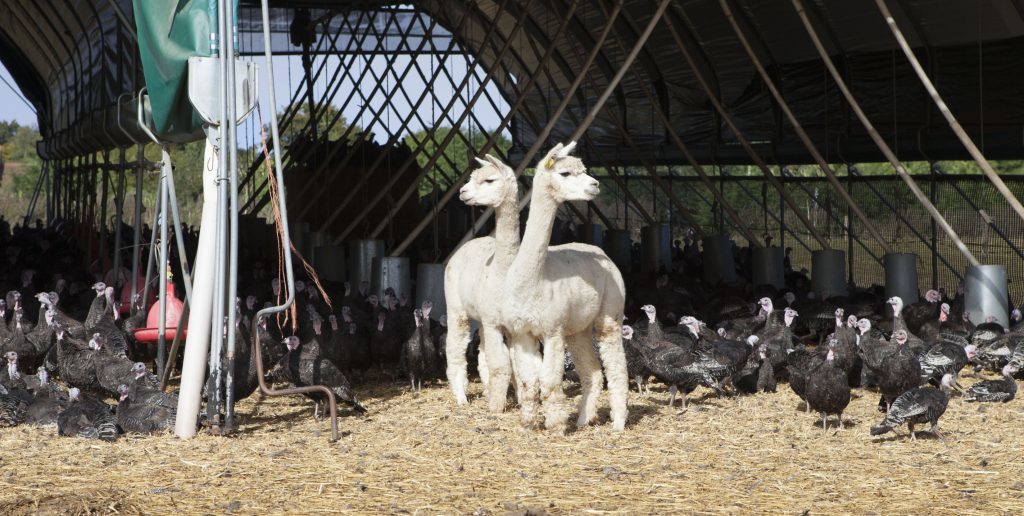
11	106
288	74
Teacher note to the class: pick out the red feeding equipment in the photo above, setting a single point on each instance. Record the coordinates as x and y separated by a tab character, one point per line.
174	307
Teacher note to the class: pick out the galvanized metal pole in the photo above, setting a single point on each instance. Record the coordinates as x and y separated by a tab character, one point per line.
457	184
761	165
806	140
137	240
232	125
412	157
879	142
162	270
962	135
285	240
119	216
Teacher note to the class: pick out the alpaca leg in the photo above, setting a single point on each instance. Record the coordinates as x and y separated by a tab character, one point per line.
481	364
526	354
613	356
591	380
551	375
455	352
495	355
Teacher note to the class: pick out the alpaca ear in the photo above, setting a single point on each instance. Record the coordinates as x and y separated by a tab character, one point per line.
505	169
481	162
551	156
566	151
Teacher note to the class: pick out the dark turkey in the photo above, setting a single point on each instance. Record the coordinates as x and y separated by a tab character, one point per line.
76	360
140	413
1001	390
944	358
305	370
636	365
12	409
801	363
828	389
895	365
917	406
414	356
87	417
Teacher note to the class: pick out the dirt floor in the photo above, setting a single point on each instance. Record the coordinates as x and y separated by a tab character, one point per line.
419	453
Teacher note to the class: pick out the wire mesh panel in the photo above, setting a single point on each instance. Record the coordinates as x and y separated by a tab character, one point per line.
971	204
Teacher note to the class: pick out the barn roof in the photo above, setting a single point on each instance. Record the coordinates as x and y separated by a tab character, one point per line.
78	60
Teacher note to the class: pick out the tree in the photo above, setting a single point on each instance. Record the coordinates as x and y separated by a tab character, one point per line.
456	155
300	124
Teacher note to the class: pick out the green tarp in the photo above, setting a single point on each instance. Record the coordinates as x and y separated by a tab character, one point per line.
170	31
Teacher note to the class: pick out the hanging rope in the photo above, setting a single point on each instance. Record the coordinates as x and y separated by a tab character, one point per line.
279	234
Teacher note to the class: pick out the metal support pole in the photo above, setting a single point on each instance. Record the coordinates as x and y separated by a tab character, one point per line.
285	239
806	140
879	142
161	347
179	236
762	166
384	190
944	109
934	228
454	188
137	240
105	178
327	164
151	255
119	216
232	287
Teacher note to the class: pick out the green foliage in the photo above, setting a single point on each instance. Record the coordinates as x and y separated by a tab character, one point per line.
301	124
456	157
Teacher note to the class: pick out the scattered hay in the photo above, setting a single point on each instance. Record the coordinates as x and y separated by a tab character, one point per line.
419	453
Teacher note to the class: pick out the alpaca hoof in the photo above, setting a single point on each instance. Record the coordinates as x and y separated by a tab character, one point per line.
619	426
557	428
496	407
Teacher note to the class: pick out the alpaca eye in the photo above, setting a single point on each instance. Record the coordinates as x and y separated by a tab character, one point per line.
489	181
563	174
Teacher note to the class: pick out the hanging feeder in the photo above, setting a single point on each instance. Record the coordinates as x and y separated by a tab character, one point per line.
150	334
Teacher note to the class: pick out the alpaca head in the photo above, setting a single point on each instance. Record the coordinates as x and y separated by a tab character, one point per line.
564	177
490	185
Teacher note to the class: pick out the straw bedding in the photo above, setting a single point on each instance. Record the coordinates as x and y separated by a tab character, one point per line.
419	453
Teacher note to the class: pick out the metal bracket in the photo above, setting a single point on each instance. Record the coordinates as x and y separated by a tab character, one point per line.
204	88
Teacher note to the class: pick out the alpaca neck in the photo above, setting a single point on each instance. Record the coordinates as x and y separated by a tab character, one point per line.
528	264
506	232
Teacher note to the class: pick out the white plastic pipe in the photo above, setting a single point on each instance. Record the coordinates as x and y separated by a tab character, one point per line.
197	343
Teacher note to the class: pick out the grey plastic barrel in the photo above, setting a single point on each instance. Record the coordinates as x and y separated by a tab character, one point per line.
592	234
430	285
360	260
985	294
655	248
828	273
901	276
329	262
619	248
719	263
768	266
314	239
390	271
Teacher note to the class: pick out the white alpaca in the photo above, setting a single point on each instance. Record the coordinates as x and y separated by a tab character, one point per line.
473	279
564	296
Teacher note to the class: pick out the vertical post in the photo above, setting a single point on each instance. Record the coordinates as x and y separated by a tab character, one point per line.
105	178
232	185
162	265
119	215
962	135
934	228
849	230
137	240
